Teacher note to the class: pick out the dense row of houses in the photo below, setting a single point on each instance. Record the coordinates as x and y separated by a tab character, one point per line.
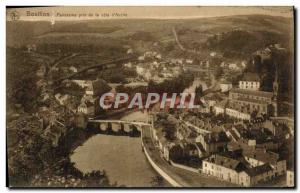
236	153
247	101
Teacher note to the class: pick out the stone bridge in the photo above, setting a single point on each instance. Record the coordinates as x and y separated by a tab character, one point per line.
121	127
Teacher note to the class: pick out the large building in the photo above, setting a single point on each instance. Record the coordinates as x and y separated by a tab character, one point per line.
257	157
243	172
252	101
223	168
213	142
248	101
251	81
255	175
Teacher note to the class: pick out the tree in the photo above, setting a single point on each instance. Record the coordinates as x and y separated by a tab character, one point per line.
218	72
199	91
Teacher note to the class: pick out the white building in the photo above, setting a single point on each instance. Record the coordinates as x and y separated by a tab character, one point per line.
251	81
233	66
73	69
223	168
257	157
236	172
225	86
220	107
86	108
256	175
62	99
140	70
237	114
82	83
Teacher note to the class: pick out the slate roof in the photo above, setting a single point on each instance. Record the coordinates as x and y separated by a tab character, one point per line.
255	171
226	162
216	137
251	77
252	92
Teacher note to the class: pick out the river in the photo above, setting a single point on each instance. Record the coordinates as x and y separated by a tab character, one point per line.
120	156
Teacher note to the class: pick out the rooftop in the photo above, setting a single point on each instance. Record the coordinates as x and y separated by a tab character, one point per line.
226	162
255	171
251	100
262	155
216	137
253	92
222	104
249	76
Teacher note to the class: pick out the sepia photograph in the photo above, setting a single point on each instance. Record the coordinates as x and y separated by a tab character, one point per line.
150	97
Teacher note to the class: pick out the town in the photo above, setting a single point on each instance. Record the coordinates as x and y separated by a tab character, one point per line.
196	117
235	135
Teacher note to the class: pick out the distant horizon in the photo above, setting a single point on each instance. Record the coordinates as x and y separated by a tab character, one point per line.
57	14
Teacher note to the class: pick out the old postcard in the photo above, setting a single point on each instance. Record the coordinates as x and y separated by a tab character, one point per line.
150	97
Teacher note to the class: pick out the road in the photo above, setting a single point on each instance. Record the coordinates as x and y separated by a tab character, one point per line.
98	66
183	177
63	59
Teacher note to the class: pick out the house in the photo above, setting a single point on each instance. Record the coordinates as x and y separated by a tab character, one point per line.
158	56
141	58
128	65
97	87
244	64
222	167
225	86
213	142
41	83
255	175
73	69
201	151
252	101
250	81
53	132
86	108
81	83
162	143
189	61
62	99
220	107
233	66
237	171
31	47
129	51
237	114
176	152
256	157
140	70
148	75
211	99
41	71
213	54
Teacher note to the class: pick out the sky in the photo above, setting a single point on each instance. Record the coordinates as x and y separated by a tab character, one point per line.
131	12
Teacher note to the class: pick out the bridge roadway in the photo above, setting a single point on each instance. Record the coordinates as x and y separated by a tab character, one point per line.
119	121
102	66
